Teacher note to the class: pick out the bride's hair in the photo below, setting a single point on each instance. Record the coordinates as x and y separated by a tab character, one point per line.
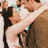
7	23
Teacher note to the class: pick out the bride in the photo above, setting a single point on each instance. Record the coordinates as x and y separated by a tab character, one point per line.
14	26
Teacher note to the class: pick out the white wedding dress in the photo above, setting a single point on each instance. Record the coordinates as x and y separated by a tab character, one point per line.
13	44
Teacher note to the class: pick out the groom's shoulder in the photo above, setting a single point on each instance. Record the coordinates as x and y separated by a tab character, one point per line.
42	18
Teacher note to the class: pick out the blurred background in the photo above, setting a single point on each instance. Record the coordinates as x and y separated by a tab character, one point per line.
14	1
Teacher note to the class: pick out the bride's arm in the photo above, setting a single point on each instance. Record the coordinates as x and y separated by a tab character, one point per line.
19	27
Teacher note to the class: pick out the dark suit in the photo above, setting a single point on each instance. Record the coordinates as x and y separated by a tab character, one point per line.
38	32
4	12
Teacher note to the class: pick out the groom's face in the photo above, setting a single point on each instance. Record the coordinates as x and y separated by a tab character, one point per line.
28	5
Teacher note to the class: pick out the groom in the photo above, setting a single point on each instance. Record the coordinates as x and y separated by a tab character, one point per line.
38	31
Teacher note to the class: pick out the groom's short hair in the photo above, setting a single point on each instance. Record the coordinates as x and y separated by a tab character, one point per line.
37	1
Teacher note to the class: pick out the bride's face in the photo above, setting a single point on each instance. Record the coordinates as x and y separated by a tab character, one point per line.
15	14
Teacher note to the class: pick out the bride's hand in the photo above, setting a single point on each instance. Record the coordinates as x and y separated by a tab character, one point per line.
46	6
